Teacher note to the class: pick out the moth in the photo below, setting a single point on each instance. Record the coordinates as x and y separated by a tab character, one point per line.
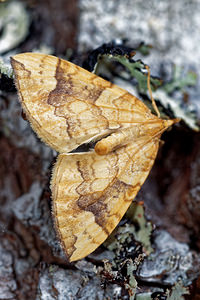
68	106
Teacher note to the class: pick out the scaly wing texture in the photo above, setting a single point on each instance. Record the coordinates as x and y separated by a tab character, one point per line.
68	105
91	193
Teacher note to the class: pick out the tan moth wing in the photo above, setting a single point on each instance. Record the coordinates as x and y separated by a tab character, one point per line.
91	193
68	106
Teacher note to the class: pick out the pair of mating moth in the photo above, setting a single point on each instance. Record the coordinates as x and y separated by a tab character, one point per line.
68	106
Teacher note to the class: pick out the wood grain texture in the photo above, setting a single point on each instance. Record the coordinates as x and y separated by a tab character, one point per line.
68	106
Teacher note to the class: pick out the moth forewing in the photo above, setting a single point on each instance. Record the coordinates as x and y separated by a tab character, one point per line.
68	106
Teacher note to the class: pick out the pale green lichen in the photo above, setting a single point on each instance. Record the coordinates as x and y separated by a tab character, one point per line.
184	113
139	229
144	49
4	69
143	233
123	237
132	284
177	292
136	69
14	24
143	296
179	81
112	272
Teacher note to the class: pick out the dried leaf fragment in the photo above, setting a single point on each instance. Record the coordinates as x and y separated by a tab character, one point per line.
67	106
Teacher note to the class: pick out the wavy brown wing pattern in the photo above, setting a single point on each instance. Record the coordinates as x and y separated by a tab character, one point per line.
68	106
91	193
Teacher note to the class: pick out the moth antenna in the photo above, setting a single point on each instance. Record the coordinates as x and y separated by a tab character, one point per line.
150	91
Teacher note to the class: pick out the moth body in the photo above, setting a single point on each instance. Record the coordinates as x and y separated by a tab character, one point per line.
130	134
